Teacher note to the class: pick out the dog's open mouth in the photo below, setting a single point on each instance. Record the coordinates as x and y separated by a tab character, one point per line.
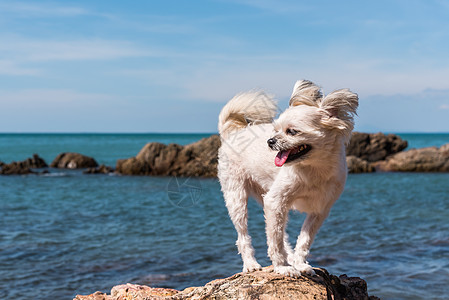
290	155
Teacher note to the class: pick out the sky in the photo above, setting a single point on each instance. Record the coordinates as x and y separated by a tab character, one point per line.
170	66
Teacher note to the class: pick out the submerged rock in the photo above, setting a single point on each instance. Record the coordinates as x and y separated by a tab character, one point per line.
198	159
263	284
23	167
374	146
102	169
430	159
72	160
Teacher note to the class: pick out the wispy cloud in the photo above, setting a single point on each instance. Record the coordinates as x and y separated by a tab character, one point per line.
38	97
12	69
83	49
41	10
274	6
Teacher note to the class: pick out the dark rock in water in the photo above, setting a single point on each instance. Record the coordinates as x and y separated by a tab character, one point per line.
375	146
23	167
263	284
16	168
102	169
430	159
358	165
36	162
197	159
73	161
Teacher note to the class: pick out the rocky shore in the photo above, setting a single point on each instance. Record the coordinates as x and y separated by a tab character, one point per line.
264	284
366	153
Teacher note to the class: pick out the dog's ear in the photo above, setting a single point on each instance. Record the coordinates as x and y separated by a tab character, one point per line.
340	107
305	92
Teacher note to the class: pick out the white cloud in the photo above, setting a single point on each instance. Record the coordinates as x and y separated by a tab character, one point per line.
42	97
274	6
23	49
41	9
10	68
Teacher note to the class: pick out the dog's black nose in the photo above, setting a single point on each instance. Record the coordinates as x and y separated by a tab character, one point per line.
271	142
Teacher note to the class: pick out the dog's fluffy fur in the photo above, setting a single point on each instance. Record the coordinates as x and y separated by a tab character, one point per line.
296	162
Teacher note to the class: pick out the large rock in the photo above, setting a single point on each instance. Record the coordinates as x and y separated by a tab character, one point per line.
358	165
430	159
23	167
197	159
263	284
374	146
71	160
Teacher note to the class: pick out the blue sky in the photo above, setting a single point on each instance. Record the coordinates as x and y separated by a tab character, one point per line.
169	66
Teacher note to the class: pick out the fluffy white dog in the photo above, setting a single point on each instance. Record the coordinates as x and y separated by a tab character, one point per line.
296	162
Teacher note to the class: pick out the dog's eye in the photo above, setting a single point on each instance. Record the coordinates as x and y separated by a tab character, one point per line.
290	131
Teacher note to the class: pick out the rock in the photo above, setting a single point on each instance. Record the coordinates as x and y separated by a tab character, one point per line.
102	169
73	161
16	168
358	165
263	284
430	159
197	159
23	167
375	146
36	162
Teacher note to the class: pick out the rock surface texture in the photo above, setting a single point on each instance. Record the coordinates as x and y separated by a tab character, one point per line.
23	167
358	165
71	160
197	159
263	284
374	146
430	159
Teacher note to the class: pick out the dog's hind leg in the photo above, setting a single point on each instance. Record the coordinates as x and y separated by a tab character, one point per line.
309	229
237	204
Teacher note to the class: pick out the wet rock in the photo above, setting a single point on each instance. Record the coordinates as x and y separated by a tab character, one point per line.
374	146
102	169
263	284
197	159
430	159
73	161
358	165
23	167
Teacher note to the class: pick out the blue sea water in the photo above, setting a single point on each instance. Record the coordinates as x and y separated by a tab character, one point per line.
66	233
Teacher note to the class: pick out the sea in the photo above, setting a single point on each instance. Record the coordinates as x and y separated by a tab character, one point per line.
66	233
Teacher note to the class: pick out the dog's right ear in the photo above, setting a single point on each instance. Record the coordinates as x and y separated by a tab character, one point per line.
306	92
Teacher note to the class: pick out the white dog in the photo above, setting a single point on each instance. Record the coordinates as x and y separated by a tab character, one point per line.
296	162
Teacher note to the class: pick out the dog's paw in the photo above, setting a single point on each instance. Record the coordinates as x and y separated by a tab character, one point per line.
287	271
305	268
250	267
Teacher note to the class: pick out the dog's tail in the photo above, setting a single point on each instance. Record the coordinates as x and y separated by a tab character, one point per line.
245	109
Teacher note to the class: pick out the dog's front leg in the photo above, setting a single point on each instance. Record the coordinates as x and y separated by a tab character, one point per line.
276	213
309	229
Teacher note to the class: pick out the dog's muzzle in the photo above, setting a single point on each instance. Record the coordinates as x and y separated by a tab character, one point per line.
271	142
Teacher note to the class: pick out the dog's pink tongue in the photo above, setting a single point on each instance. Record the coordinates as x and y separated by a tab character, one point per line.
281	158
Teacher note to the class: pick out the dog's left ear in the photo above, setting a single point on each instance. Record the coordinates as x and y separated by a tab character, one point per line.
305	92
340	107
